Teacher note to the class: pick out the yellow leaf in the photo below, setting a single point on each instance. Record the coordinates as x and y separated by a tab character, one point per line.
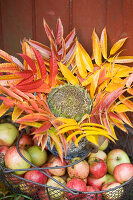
88	80
16	113
87	59
127	102
130	91
3	109
122	59
117	46
103	42
113	131
93	139
121	108
94	83
96	48
66	129
99	133
73	134
68	74
93	124
33	124
65	125
66	120
10	77
80	62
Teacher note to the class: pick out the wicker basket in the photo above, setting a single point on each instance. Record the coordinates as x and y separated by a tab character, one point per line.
37	191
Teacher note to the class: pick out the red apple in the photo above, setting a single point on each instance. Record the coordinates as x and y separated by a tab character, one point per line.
58	194
116	157
54	162
100	154
36	176
78	185
46	170
8	134
3	149
93	196
14	161
80	170
25	141
43	195
38	157
114	193
96	182
98	168
123	172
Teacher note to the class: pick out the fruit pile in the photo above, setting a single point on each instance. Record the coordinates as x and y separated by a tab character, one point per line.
99	171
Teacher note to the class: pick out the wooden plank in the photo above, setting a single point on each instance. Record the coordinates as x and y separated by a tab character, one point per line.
87	15
16	23
51	10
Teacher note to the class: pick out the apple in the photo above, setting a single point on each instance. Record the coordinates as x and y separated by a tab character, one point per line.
43	195
114	193
100	154
25	141
56	194
104	145
54	162
14	161
93	196
3	149
116	157
96	182
98	168
109	178
8	134
46	170
80	170
36	176
38	157
78	185
123	172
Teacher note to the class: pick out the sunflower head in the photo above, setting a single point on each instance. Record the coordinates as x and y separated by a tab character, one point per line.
69	101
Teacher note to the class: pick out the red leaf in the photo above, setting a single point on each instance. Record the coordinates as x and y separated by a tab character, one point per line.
53	47
10	93
19	93
7	101
59	32
44	50
48	31
30	62
53	71
30	86
63	50
69	38
26	81
41	63
46	125
25	74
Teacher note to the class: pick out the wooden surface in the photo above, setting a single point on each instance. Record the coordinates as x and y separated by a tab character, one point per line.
24	18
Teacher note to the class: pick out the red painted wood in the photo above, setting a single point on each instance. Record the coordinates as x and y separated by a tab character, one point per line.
16	23
87	15
51	10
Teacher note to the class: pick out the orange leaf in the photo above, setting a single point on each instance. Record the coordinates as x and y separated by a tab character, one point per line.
3	109
125	118
16	113
128	103
9	67
5	56
94	84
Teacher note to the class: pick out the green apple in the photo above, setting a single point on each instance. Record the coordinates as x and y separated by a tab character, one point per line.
109	178
116	157
104	145
56	194
8	134
38	157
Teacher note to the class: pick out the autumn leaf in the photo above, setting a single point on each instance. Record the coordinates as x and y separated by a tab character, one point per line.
59	32
68	74
80	62
96	48
103	43
117	46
